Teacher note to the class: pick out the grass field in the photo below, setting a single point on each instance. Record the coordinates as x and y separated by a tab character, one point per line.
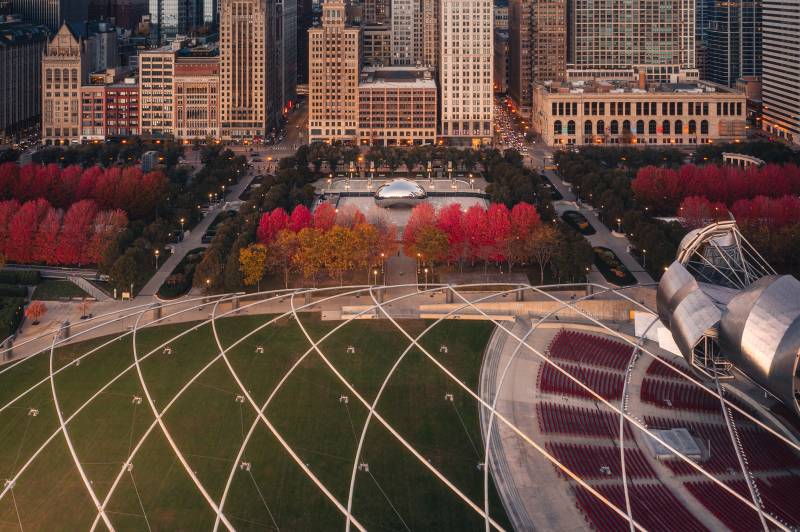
54	289
209	424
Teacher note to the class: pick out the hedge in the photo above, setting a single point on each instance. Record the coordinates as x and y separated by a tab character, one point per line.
13	290
26	277
10	315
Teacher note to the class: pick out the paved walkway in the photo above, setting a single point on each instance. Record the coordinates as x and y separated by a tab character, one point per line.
193	239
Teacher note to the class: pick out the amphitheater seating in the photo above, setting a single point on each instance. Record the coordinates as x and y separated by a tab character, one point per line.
576	421
662	369
679	395
607	384
653	506
590	349
778	493
593	461
764	452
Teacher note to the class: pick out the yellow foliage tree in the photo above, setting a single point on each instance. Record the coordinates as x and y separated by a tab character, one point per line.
252	263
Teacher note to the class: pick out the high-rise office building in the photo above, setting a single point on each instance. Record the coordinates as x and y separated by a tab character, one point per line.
157	91
376	11
405	13
64	70
733	41
333	68
780	88
250	85
21	49
657	36
430	34
465	71
286	36
52	13
174	17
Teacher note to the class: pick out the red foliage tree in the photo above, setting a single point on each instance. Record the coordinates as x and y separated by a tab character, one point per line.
46	237
300	218
350	216
450	219
698	211
88	183
271	224
7	211
73	239
64	192
324	217
22	229
423	215
524	219
9	175
476	230
498	222
105	227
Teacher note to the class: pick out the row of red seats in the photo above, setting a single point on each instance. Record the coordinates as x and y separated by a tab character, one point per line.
678	395
778	495
653	506
662	368
593	461
607	384
590	349
576	421
764	452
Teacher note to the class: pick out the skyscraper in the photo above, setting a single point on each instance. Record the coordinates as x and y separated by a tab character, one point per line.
51	13
733	41
780	87
286	37
465	71
404	15
655	35
333	70
250	85
173	17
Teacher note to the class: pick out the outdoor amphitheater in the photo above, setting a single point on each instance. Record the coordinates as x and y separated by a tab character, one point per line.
414	407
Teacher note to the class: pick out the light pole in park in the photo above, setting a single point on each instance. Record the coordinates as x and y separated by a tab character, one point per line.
619	225
375	276
426	278
156	253
183	220
644	258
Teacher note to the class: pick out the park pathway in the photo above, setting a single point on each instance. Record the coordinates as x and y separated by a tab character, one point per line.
193	239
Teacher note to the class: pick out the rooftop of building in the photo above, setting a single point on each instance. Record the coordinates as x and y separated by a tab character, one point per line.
397	77
15	32
628	86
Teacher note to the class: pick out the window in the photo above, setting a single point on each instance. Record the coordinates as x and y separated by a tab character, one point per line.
601	127
614	127
571	127
679	127
626	126
640	127
665	127
587	127
704	127
557	127
692	127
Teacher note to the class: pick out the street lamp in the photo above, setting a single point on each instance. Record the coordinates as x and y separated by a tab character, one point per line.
375	276
183	220
156	253
619	225
426	278
644	258
208	285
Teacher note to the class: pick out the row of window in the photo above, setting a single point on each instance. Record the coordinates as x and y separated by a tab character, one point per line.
646	108
653	127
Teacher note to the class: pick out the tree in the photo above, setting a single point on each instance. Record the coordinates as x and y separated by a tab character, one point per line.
271	224
476	233
450	219
433	245
543	244
73	239
208	273
423	215
23	228
309	255
280	254
35	310
574	257
300	218
324	216
498	220
339	246
252	263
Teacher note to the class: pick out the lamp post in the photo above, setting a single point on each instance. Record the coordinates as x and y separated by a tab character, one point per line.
619	225
426	278
644	258
375	276
183	220
156	253
587	280
208	285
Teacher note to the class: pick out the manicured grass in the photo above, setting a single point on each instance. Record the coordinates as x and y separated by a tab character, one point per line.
55	289
208	423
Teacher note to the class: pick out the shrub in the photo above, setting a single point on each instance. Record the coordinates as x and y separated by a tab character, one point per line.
13	290
24	277
10	315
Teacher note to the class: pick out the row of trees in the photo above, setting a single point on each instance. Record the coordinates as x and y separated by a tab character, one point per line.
772	213
663	189
127	189
36	231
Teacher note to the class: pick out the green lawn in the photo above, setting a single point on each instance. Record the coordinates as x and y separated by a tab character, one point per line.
208	424
55	289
